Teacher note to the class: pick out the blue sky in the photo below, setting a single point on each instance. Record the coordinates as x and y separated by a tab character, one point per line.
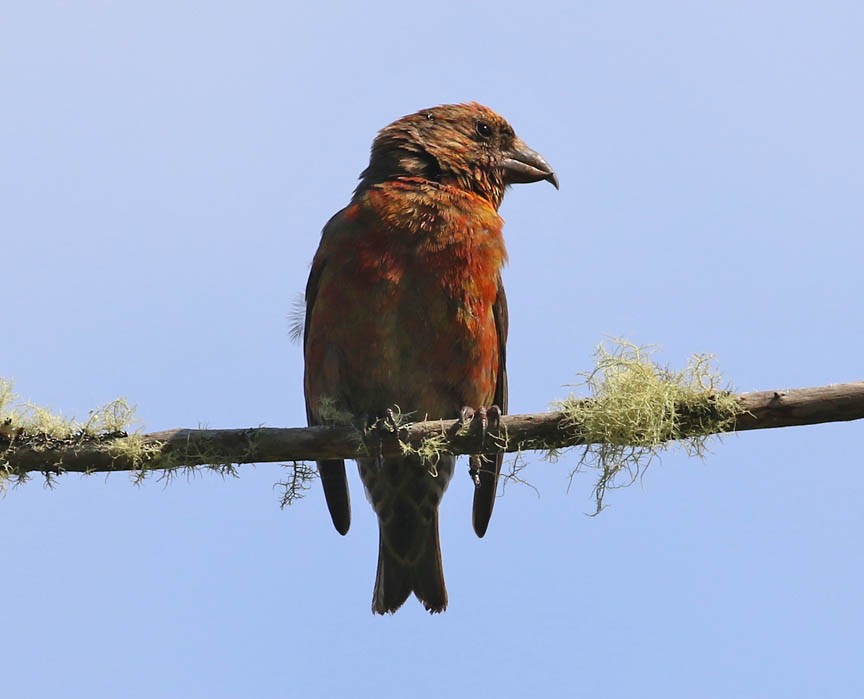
166	170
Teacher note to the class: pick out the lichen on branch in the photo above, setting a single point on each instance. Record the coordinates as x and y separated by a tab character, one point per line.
636	409
24	424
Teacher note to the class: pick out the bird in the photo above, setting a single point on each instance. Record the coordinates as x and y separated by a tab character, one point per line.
406	311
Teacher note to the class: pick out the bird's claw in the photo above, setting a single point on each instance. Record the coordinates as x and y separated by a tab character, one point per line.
384	424
486	418
388	421
466	414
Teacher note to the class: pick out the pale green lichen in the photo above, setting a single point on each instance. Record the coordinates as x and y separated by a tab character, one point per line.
34	428
429	451
331	413
636	409
30	420
24	424
196	454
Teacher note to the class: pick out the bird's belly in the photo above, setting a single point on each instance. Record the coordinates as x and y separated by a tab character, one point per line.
417	347
441	353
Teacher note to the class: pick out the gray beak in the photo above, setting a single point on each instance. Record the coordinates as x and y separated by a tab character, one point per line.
523	165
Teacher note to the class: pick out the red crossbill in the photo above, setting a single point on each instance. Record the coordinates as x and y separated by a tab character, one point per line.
405	307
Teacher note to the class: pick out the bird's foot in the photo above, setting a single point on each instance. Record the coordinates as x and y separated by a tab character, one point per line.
486	418
384	424
483	416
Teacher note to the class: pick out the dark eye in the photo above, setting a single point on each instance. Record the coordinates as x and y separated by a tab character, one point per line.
430	116
483	129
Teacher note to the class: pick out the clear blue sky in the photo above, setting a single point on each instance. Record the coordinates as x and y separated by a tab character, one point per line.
165	171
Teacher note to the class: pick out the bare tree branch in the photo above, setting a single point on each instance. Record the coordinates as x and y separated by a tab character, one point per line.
23	453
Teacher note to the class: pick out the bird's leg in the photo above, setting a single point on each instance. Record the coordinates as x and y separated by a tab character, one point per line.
493	420
384	424
474	463
484	417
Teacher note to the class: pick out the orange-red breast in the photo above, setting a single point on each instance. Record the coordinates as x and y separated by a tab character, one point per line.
405	307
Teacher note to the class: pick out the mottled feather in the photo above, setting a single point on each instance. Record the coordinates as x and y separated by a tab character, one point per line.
405	307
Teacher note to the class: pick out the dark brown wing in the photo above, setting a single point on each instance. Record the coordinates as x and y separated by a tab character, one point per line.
487	489
332	472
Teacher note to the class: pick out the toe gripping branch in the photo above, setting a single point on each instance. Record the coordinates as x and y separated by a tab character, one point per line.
485	418
385	425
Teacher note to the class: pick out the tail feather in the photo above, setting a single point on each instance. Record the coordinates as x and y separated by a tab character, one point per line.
397	578
335	482
488	469
428	573
405	495
392	582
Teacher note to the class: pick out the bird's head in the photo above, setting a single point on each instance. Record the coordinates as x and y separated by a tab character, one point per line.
463	145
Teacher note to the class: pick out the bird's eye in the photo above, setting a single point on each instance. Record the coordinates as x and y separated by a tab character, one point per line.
483	129
430	116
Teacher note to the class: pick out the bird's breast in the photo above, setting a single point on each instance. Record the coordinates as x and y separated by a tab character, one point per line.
419	328
435	255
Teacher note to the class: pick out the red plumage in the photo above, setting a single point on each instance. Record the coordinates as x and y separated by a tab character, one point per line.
404	307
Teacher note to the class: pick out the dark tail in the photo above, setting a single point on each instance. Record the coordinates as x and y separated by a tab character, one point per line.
397	577
335	483
487	469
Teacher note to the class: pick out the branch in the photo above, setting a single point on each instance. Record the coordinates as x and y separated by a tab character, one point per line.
171	449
